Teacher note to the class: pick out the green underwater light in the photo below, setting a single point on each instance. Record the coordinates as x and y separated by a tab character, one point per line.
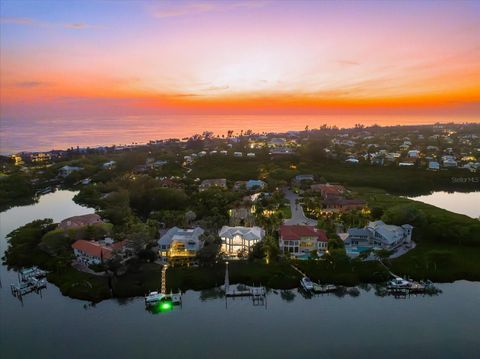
164	306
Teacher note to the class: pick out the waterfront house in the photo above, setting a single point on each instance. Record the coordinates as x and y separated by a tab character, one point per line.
377	234
239	240
301	240
96	252
180	244
210	183
80	221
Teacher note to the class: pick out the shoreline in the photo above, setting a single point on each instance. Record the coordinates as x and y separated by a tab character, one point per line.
182	138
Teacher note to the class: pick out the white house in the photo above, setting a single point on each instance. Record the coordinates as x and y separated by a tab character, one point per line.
236	240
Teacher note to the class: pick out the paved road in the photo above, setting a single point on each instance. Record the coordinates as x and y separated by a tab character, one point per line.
298	216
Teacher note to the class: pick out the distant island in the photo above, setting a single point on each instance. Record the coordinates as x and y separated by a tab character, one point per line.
327	202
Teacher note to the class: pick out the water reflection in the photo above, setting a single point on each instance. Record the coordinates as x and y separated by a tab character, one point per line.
213	293
458	202
287	295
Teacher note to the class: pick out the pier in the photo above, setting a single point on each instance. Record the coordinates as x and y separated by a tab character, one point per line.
258	294
29	280
155	297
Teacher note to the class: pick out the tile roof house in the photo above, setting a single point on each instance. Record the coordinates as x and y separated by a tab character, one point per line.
300	240
236	240
80	221
95	252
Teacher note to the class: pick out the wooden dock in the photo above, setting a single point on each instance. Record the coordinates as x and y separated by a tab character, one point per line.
258	294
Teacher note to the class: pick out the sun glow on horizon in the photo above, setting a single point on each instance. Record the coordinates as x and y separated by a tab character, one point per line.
240	57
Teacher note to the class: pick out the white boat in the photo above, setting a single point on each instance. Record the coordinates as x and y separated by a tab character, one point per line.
318	288
306	284
399	283
153	298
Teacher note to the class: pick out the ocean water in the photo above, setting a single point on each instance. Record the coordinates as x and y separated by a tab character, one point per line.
43	134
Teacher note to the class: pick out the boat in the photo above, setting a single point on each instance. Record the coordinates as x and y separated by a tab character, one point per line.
326	288
306	284
153	298
399	283
33	272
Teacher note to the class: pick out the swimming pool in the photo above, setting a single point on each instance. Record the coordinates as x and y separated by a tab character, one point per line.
357	250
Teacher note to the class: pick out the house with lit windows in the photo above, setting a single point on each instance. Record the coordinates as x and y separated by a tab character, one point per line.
300	240
180	245
239	241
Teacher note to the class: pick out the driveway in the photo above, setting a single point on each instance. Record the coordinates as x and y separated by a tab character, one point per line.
298	216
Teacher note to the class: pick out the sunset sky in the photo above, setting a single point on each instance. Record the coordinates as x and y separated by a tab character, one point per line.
240	57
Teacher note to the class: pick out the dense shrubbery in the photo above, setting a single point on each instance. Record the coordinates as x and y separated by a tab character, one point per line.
15	189
23	249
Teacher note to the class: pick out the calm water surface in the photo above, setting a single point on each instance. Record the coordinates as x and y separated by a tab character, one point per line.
458	202
53	326
44	134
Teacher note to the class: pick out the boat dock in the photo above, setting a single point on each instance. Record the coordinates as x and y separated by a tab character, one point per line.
29	280
258	294
155	297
